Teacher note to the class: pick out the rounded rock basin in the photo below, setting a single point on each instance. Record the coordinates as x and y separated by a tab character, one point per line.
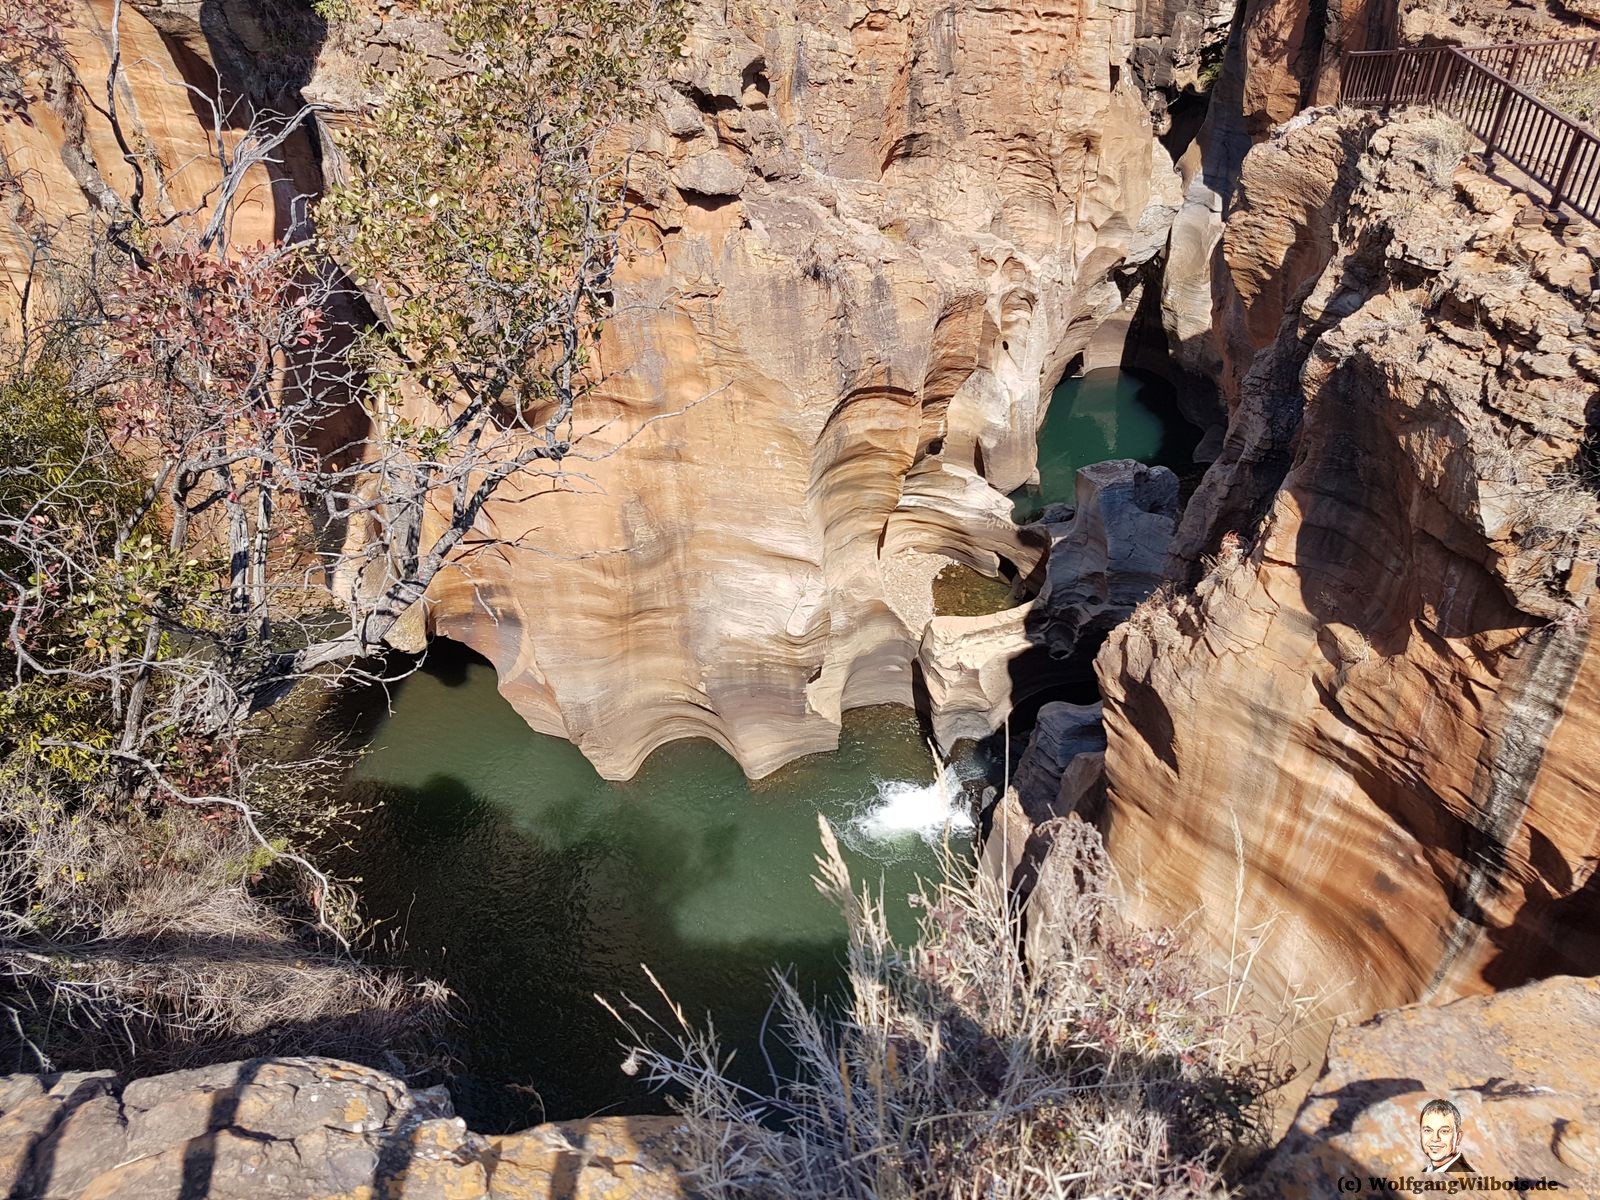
528	883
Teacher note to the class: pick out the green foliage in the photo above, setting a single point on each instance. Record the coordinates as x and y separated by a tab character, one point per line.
332	11
114	608
480	204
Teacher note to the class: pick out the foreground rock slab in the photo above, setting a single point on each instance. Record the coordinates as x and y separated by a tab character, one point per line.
1523	1068
303	1128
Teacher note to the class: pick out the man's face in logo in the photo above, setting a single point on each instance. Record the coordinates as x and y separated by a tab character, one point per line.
1440	1137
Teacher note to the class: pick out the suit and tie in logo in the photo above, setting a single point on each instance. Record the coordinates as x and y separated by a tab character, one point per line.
1440	1136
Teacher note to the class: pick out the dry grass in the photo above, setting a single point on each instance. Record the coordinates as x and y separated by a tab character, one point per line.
1577	95
155	943
1099	1065
1440	143
1552	503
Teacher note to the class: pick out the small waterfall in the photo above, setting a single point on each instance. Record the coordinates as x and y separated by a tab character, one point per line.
901	812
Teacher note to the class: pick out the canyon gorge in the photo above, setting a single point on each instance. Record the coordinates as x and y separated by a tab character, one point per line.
1330	693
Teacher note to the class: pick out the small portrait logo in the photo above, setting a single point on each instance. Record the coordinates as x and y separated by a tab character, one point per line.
1440	1137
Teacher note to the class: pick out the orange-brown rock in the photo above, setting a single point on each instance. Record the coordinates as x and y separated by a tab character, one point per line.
1522	1067
308	1129
1375	716
1282	56
1103	560
64	162
871	238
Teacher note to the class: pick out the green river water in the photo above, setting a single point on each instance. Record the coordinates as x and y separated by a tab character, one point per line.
1103	414
527	883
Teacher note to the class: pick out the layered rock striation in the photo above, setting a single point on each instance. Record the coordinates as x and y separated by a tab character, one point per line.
870	238
1358	745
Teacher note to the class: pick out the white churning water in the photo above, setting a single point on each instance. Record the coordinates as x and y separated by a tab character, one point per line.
900	811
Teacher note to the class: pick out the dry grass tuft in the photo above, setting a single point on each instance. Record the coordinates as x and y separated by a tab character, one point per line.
962	1067
1577	95
1440	143
154	943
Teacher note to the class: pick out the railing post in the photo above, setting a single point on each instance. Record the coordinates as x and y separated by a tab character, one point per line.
1492	142
1558	191
1426	93
1594	44
1393	63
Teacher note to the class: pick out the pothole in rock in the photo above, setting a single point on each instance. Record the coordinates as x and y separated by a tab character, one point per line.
959	591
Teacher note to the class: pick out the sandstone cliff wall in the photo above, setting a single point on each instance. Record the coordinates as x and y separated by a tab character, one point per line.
1367	720
1281	56
190	73
872	237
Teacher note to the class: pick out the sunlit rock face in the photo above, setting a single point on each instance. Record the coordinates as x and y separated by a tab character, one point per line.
1519	1067
871	238
62	159
1373	721
1104	558
1281	56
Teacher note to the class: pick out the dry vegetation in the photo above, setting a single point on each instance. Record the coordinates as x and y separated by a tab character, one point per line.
1105	1067
1578	96
155	941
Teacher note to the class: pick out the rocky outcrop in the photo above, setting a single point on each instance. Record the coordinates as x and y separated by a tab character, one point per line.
870	240
1277	243
1483	22
1282	56
1176	45
1369	718
1105	557
299	1128
1522	1067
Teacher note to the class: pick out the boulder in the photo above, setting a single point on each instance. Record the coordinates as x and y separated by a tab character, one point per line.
307	1129
1522	1067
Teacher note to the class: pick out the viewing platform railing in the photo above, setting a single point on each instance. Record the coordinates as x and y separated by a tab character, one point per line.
1485	88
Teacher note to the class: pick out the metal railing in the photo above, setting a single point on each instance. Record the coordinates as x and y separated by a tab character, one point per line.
1485	88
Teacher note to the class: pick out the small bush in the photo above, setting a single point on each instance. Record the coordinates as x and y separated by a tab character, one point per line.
1578	95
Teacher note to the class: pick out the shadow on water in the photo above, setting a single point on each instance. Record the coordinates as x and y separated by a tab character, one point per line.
528	884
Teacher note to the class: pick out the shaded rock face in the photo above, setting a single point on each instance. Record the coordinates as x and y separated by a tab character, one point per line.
1384	689
1522	1067
870	240
1174	42
297	1128
1104	558
1281	56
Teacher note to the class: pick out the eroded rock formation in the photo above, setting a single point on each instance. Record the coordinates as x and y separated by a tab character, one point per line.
1106	556
1374	711
1282	55
871	239
297	1128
